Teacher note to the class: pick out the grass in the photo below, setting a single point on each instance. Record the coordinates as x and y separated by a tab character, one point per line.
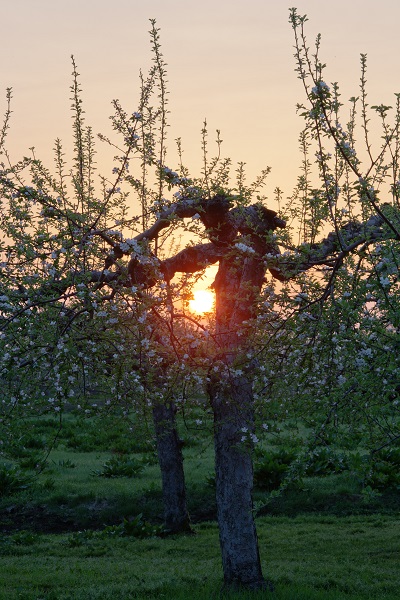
70	494
306	557
321	540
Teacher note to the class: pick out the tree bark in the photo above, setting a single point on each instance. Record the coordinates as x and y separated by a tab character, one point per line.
170	458
237	285
232	402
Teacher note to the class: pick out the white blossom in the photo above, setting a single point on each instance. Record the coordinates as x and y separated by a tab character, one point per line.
245	249
384	281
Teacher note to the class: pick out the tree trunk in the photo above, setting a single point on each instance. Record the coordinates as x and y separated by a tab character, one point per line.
170	458
238	283
231	394
233	425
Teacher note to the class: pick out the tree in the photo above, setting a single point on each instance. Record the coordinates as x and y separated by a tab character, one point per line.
88	269
349	311
74	331
241	239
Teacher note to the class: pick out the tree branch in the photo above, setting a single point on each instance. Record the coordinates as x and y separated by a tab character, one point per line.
354	234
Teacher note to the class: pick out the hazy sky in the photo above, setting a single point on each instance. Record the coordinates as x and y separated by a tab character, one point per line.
229	61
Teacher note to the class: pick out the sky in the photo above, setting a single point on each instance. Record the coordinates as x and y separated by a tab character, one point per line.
230	62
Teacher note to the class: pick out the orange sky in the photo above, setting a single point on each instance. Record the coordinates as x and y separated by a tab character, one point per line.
230	61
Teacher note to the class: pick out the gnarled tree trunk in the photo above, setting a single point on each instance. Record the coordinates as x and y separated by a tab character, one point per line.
237	285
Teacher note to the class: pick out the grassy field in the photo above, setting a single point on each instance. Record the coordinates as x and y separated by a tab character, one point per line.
64	535
307	557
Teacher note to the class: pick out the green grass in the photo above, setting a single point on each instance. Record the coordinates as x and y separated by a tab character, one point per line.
320	540
69	495
307	558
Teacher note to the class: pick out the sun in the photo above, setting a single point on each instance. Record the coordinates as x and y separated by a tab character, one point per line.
203	301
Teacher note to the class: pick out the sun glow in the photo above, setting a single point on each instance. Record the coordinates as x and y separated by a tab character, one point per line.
203	301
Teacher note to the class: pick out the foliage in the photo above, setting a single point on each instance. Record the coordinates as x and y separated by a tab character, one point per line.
384	470
270	470
325	460
104	434
79	501
77	334
120	466
67	464
12	480
133	527
330	340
